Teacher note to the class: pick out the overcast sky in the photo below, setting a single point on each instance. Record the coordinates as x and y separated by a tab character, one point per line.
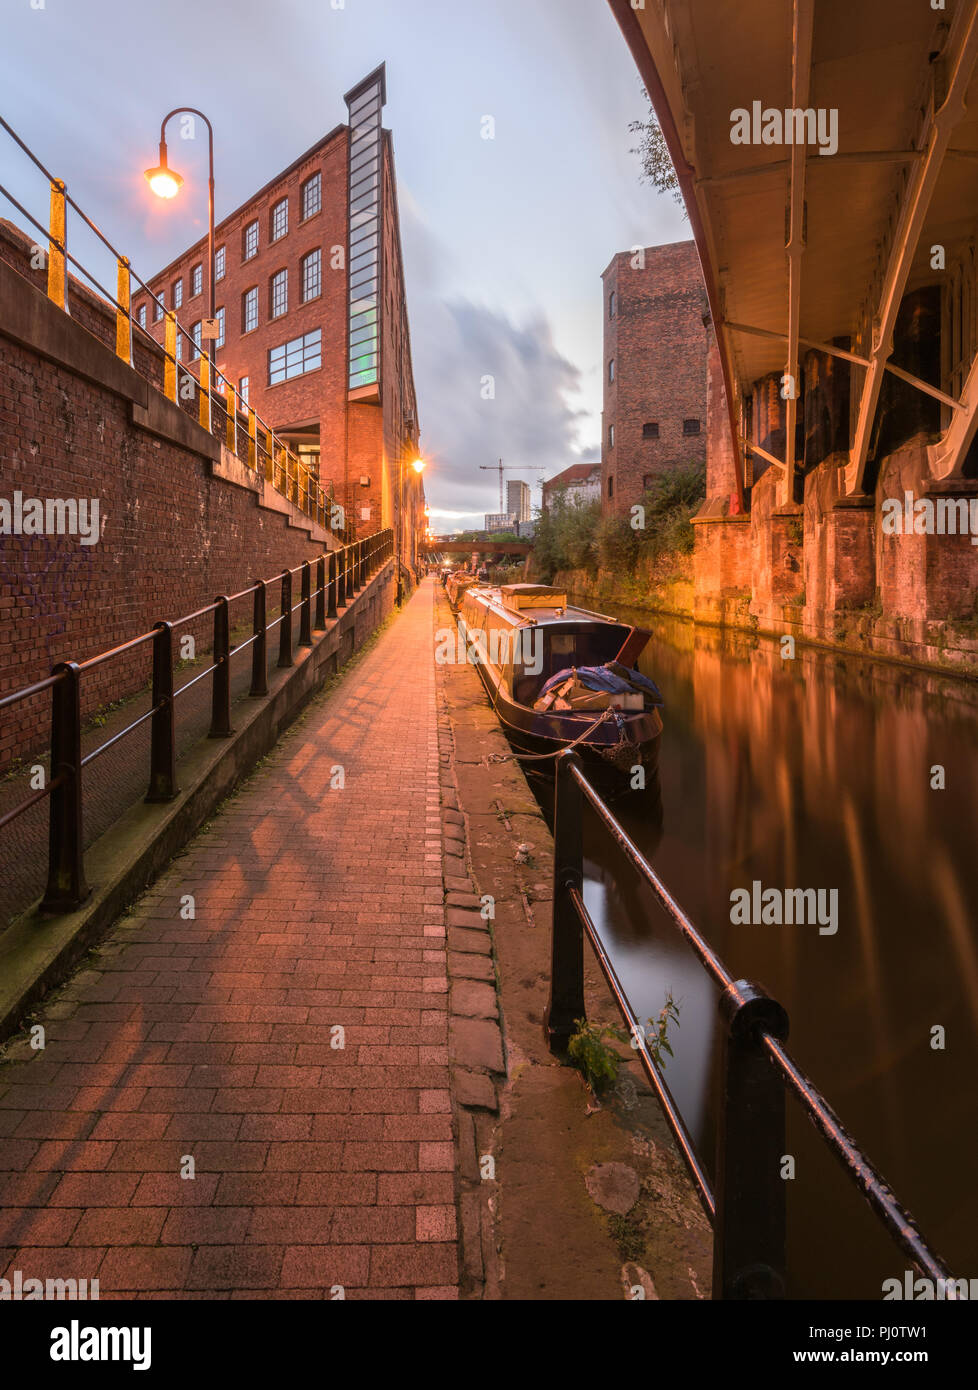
504	239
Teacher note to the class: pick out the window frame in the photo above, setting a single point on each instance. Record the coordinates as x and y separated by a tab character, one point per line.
316	251
245	299
273	219
278	278
283	349
317	179
252	226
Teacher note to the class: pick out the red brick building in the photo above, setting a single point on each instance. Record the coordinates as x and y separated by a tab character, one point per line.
313	328
656	341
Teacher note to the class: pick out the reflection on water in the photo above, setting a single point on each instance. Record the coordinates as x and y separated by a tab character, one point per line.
817	773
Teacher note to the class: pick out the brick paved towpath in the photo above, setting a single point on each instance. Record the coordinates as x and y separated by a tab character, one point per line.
217	1039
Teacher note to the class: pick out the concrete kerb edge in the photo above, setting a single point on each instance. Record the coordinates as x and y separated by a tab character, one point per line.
38	952
475	1119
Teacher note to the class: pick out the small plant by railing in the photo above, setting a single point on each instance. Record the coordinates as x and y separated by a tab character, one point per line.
254	440
339	575
748	1207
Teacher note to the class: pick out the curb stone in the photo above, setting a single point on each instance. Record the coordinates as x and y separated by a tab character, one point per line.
476	1049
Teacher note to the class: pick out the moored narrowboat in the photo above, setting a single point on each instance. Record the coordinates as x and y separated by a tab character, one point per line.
559	676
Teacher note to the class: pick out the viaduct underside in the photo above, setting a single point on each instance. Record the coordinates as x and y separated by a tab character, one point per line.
828	157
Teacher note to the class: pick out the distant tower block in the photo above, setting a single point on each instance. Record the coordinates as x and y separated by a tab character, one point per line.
518	500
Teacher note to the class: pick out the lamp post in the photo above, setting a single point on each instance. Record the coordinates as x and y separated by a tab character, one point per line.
165	183
418	467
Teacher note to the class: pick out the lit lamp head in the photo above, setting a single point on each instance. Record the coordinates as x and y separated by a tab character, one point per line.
162	180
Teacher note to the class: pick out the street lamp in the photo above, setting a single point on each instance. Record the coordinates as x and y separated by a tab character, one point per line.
165	183
418	465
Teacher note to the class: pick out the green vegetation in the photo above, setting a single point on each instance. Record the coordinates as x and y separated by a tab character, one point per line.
591	1046
657	166
572	534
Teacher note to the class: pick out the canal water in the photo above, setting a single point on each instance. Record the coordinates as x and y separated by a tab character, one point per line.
817	773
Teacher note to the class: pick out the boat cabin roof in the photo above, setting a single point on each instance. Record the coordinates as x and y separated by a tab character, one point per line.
495	600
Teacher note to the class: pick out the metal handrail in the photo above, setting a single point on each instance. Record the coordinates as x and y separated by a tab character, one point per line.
748	1207
341	574
317	500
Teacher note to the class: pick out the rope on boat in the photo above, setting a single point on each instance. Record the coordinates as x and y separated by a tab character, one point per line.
541	757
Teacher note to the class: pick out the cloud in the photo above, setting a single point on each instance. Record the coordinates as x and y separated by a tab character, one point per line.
491	388
490	384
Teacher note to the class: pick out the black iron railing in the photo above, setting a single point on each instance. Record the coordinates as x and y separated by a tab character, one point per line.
747	1209
339	576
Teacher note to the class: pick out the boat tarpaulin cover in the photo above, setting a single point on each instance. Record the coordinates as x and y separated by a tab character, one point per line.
533	596
612	679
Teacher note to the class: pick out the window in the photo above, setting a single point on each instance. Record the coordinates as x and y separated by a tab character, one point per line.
611	487
243	387
612	305
179	347
177	294
312	275
195	334
249	309
250	241
142	315
611	436
158	309
300	355
196	281
691	427
611	369
280	293
650	430
218	264
220	384
280	219
220	329
312	195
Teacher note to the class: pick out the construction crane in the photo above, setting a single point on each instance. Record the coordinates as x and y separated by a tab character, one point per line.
510	468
